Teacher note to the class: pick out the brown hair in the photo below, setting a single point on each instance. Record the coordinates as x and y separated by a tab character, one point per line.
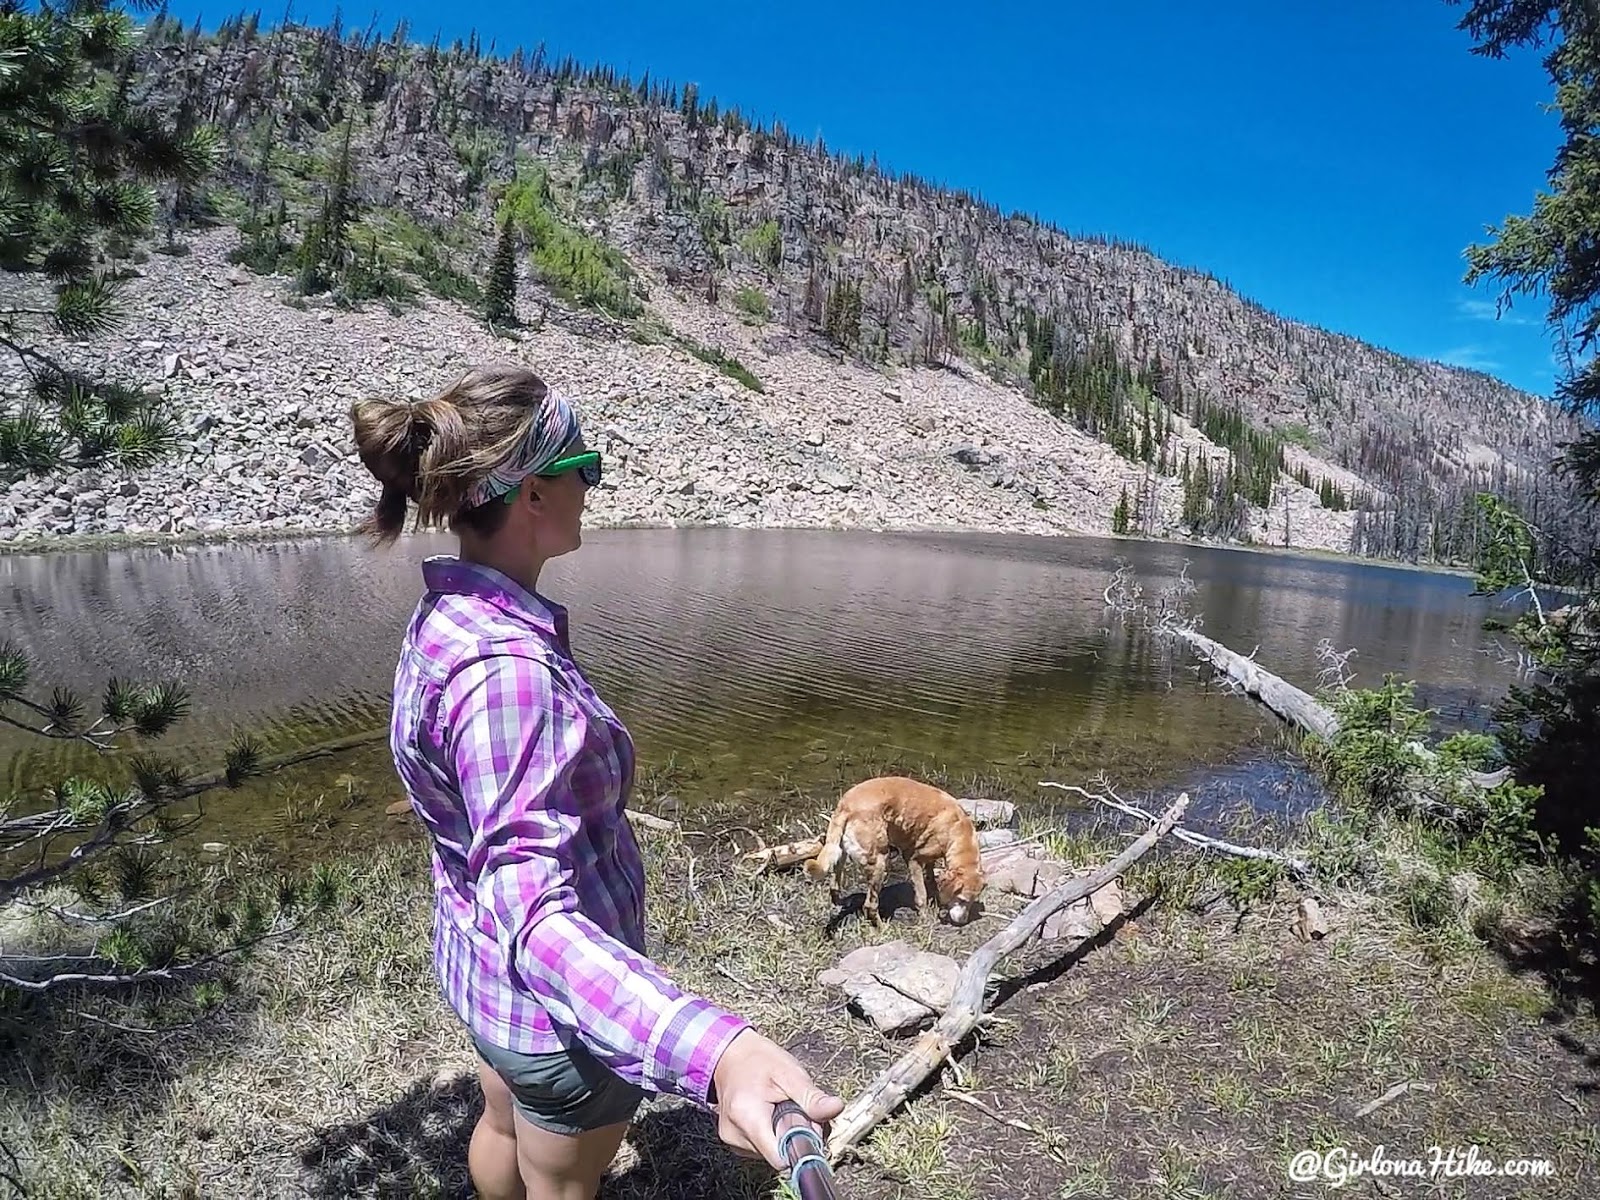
433	452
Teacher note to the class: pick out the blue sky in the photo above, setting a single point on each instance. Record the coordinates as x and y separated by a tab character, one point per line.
1330	159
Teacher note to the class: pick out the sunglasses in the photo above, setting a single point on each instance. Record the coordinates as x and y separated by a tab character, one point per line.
587	464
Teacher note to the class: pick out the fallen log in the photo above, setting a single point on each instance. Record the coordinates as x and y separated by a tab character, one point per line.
1296	706
889	1090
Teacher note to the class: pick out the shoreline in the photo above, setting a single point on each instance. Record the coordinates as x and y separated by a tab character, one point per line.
54	544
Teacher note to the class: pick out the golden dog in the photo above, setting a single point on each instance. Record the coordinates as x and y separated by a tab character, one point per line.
923	822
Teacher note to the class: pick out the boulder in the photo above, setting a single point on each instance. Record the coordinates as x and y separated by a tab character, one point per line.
990	814
894	985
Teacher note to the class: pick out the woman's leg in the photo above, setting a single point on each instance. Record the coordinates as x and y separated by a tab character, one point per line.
492	1155
558	1167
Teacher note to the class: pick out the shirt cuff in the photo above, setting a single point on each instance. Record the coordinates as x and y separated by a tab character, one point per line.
690	1045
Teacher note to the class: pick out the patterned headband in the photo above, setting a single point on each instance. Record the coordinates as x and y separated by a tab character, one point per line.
553	430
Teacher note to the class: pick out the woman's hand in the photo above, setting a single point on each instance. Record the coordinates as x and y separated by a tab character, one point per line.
752	1076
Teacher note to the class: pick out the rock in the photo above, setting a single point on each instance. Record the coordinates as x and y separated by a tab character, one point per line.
836	479
815	438
1010	868
988	814
169	366
399	808
970	457
882	980
1088	915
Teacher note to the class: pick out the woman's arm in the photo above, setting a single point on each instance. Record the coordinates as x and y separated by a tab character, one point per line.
516	740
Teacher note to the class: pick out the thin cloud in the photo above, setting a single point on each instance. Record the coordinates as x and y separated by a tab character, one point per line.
1484	310
1471	358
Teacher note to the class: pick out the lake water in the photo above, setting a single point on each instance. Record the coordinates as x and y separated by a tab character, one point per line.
752	666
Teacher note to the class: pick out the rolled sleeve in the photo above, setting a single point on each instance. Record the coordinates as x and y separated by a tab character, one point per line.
517	744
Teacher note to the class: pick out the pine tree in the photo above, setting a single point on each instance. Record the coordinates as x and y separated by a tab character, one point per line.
1119	518
79	158
500	298
326	256
1548	727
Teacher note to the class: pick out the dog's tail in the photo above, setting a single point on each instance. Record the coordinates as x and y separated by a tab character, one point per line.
828	857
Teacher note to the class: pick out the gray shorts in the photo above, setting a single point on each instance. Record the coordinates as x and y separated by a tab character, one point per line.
567	1091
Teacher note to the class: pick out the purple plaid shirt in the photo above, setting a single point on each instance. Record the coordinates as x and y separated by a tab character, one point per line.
521	774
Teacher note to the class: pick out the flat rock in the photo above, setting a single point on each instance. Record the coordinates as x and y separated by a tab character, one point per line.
1087	916
989	814
1010	868
894	985
994	839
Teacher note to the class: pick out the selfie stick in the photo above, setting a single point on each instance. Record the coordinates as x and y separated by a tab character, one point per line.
801	1149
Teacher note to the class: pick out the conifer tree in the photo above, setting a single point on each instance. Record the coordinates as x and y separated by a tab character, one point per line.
500	298
1548	727
78	156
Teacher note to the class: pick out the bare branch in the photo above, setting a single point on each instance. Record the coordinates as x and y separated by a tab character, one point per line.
66	914
1335	673
1296	866
144	975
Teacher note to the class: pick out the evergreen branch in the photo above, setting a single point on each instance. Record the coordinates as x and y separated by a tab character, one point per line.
87	307
160	787
100	739
11	1176
28	355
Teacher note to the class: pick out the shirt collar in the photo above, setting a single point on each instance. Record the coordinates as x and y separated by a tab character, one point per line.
449	574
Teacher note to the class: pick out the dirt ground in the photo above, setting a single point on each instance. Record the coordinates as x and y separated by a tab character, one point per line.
1189	1050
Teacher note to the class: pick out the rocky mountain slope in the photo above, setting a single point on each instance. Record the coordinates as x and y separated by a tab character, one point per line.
889	353
263	388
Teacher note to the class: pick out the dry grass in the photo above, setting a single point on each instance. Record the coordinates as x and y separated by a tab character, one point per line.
1189	1055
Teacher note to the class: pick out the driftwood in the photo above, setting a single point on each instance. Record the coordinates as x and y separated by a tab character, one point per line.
1296	866
771	858
1295	706
651	822
933	1048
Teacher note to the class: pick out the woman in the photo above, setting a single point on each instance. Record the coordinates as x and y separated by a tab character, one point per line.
520	773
